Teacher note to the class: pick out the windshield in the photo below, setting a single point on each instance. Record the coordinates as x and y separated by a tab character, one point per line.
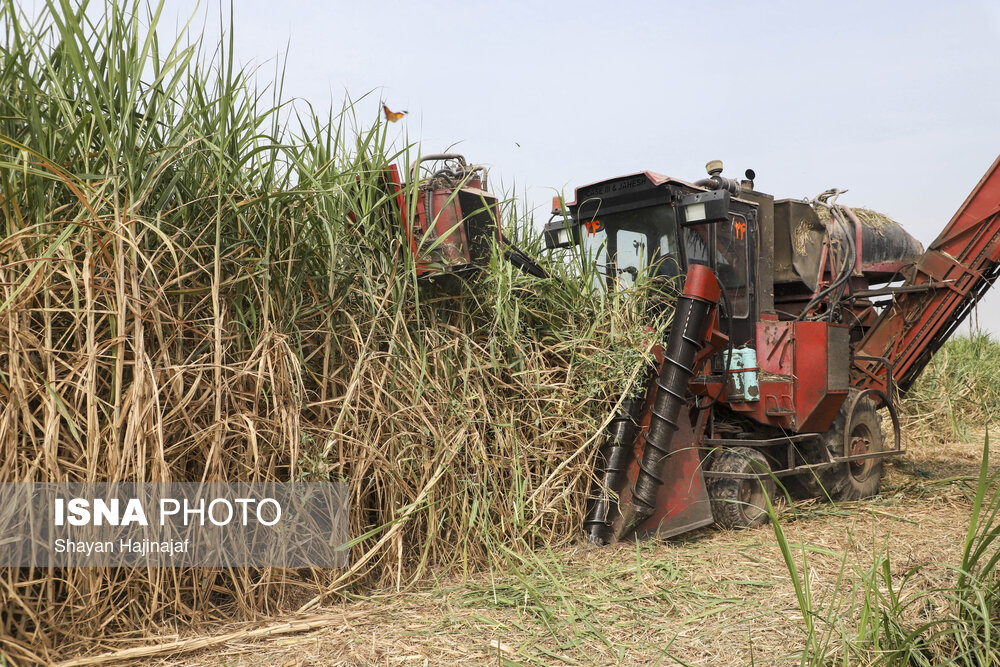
623	246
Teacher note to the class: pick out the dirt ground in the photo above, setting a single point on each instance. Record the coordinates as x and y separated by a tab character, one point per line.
712	598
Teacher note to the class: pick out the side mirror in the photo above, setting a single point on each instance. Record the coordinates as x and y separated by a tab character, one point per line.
702	208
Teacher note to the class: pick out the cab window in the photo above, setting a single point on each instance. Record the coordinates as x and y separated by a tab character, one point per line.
629	244
724	247
732	257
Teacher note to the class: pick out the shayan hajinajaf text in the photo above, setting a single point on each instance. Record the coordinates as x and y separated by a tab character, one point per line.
137	547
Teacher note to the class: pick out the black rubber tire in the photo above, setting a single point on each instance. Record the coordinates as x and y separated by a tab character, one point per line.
857	480
739	503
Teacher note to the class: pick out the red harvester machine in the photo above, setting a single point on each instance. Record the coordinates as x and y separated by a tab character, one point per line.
796	323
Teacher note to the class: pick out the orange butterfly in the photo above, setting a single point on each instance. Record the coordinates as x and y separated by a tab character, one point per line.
392	116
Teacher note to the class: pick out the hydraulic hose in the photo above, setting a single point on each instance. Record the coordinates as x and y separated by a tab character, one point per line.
687	333
828	199
613	460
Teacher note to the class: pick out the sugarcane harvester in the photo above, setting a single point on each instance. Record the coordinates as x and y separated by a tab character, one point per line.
797	321
794	323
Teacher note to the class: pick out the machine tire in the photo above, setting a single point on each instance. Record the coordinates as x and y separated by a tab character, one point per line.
857	480
739	503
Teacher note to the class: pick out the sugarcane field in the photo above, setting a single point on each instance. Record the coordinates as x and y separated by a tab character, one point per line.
442	333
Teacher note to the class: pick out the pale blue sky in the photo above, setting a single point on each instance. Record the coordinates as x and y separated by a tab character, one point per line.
897	101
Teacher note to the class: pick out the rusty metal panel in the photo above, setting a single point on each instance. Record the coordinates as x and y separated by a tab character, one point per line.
816	403
775	347
810	368
838	370
798	239
682	501
447	230
981	203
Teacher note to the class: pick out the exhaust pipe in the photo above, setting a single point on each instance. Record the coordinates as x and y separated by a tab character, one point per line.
687	334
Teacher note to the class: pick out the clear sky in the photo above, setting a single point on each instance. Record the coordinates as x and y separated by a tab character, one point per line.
897	101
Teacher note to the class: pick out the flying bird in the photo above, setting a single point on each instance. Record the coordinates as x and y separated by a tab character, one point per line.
392	116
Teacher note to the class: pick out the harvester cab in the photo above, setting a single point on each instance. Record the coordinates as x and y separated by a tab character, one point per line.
797	321
657	226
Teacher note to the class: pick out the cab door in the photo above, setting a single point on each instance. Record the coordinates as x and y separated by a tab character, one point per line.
729	248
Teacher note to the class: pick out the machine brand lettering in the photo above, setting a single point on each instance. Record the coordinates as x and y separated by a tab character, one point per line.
114	512
614	187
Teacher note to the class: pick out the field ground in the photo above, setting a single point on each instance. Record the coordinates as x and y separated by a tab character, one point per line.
714	598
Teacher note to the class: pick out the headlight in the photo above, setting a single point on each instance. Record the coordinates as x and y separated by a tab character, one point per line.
561	234
705	207
694	212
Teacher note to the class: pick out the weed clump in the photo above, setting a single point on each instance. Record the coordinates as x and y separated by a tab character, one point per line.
957	388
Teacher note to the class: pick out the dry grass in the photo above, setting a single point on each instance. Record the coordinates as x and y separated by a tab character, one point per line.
957	390
191	291
716	597
874	220
124	364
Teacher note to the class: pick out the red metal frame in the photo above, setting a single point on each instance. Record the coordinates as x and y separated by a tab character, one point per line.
794	360
954	271
396	185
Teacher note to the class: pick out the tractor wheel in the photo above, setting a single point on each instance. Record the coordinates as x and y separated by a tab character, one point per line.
740	503
855	479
